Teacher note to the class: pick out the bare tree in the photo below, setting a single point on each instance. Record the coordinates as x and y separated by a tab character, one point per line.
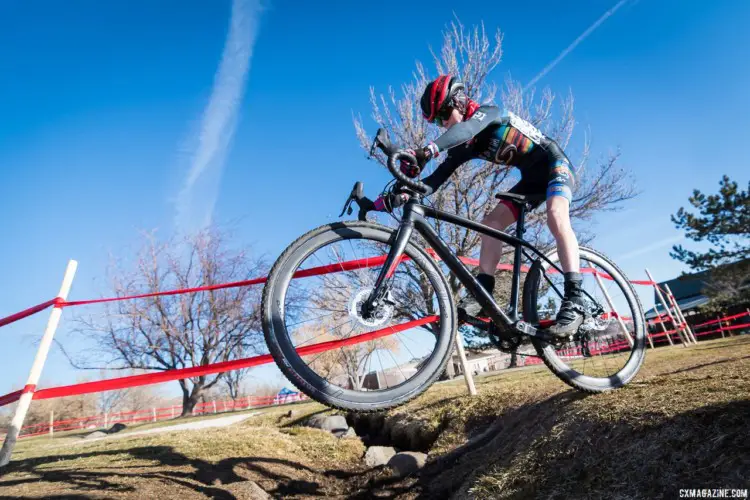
132	399
601	185
236	380
108	402
182	330
67	408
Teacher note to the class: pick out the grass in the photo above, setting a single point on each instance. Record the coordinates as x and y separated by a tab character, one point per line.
681	423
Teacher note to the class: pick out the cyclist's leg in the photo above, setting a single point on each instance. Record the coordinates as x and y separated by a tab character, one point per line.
502	216
559	195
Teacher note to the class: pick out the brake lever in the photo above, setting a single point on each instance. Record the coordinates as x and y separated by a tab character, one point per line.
357	195
347	207
382	142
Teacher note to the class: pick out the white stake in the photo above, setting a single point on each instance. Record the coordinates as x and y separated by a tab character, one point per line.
465	364
680	316
612	306
680	329
667	309
51	422
36	368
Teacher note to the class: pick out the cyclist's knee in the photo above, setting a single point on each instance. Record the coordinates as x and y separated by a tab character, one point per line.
503	215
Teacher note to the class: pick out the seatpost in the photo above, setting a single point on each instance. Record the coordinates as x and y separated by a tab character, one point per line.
516	280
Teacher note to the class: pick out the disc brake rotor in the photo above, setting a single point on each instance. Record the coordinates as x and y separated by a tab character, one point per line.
379	317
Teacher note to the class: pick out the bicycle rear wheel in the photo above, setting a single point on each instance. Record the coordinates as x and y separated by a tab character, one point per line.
610	346
331	349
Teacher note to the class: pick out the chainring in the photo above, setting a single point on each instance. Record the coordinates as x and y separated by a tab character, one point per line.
504	340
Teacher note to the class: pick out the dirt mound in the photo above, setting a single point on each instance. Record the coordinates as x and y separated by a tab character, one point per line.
682	423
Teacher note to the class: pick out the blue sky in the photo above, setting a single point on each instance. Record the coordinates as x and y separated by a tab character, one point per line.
101	103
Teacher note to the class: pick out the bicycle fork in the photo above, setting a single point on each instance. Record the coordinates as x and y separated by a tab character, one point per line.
381	291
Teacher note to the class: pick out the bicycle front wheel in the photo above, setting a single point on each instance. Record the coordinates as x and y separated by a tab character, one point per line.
329	347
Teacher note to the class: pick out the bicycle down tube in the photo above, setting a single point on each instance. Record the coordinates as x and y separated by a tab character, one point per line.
414	218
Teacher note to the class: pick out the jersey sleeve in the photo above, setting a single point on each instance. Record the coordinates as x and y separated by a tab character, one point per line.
441	174
465	131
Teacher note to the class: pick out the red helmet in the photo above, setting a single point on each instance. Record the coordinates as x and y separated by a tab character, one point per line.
438	95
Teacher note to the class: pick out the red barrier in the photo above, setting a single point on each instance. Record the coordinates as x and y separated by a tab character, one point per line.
196	371
725	328
158	414
726	318
159	377
315	271
27	312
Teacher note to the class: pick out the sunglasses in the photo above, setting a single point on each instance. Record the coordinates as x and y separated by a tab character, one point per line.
442	116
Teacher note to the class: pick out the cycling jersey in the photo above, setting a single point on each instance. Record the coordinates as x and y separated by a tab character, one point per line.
502	137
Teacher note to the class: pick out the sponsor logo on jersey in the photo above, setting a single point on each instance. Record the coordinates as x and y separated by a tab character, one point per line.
562	172
559	190
525	127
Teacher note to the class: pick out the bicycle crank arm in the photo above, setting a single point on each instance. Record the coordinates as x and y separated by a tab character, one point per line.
530	330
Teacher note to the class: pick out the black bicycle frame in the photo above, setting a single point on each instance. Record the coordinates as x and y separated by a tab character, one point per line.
415	217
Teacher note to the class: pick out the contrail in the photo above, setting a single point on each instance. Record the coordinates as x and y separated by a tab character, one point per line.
575	43
650	248
197	198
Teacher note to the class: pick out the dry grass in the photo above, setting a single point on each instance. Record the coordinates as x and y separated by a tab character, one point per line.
682	423
190	464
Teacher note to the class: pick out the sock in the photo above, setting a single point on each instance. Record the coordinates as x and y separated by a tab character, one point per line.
487	281
573	282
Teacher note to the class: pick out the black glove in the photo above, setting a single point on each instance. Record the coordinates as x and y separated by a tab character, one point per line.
410	170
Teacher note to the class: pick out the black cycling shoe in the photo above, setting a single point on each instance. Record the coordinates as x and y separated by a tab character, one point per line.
468	307
569	319
571	314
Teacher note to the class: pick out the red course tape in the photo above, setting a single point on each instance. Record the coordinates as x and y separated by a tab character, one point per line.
197	371
158	377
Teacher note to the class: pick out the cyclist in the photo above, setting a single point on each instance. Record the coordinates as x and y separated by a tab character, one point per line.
499	136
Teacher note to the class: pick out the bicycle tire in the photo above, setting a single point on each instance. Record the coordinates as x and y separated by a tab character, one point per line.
294	367
547	352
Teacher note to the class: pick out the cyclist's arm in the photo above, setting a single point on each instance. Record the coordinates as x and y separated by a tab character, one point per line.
441	174
465	131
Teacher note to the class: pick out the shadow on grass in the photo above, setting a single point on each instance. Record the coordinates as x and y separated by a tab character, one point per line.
289	477
566	446
703	365
553	448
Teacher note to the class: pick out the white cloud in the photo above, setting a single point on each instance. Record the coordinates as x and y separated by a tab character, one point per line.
208	150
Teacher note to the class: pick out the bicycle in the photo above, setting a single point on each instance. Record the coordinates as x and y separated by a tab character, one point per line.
365	298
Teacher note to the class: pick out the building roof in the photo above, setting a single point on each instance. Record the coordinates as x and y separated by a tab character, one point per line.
685	304
687	290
